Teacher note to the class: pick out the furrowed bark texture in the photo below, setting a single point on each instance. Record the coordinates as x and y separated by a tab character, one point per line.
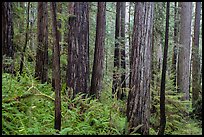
7	36
41	68
138	105
184	49
97	74
196	85
57	124
78	48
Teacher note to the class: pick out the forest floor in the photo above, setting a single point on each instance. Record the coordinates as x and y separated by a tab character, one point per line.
28	109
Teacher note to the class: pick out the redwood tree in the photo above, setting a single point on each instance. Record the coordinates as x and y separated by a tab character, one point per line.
184	49
162	88
138	104
116	75
119	54
57	124
174	57
122	34
78	48
196	87
59	24
7	36
41	68
97	73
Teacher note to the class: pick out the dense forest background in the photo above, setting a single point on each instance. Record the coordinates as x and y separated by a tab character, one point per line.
132	68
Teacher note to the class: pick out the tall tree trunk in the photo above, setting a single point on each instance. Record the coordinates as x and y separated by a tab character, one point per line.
32	22
122	52
7	36
157	53
174	57
45	53
39	54
21	23
162	89
196	87
53	65
138	104
78	47
116	75
97	73
41	68
83	44
70	39
127	42
184	50
26	40
178	48
59	25
57	124
59	22
130	42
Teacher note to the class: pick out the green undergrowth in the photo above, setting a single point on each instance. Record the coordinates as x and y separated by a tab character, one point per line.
178	112
28	108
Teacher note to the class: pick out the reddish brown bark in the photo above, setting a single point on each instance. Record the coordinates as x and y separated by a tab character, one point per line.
41	67
78	48
57	124
97	73
138	104
7	36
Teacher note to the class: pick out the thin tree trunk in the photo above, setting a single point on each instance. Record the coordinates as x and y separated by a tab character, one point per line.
127	43
153	54
21	23
174	57
97	74
57	124
178	49
116	75
162	89
123	62
26	41
70	40
39	56
59	10
53	65
196	87
45	50
32	22
59	22
130	42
